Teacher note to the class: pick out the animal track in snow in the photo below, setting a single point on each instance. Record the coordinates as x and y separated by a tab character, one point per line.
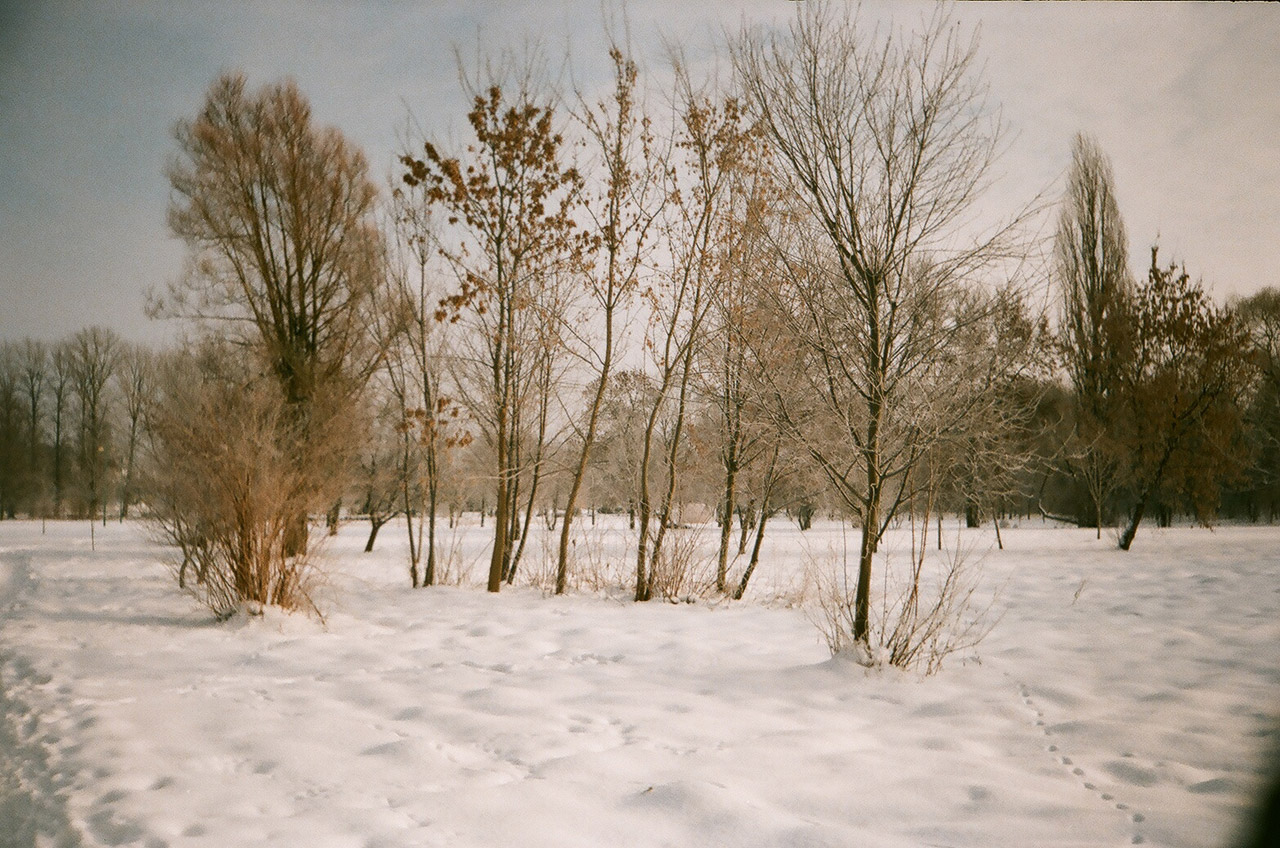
1068	763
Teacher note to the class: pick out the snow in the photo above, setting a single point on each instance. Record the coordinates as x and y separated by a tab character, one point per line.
1120	698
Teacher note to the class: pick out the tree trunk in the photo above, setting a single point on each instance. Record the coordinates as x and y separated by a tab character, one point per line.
502	392
870	521
644	507
513	532
414	550
500	528
755	556
746	523
295	537
726	526
1152	484
672	455
333	516
528	515
429	571
1131	530
580	471
804	516
642	552
766	492
374	527
57	463
862	595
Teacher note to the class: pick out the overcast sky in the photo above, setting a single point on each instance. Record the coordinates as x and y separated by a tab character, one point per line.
1185	98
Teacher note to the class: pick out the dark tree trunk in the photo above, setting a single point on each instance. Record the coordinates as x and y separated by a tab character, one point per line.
746	522
374	526
804	516
870	517
1135	518
415	550
766	492
755	557
295	540
429	570
726	525
332	517
501	526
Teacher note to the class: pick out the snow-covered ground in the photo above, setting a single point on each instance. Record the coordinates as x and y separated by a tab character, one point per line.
1121	698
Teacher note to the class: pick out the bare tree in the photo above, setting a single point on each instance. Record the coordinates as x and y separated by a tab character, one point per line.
379	486
1260	313
277	215
708	146
775	469
743	345
11	415
416	365
61	360
136	376
507	201
34	360
95	359
983	462
887	143
621	214
549	312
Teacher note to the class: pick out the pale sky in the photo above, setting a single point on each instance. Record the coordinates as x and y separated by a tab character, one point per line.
1185	98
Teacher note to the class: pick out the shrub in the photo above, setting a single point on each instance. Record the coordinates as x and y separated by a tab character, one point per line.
926	612
227	491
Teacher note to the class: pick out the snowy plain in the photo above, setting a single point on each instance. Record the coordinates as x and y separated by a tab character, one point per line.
1119	699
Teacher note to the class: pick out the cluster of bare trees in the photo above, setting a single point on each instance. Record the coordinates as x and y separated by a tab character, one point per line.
809	299
72	416
772	294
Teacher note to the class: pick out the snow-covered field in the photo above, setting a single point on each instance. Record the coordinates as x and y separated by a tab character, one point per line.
1119	699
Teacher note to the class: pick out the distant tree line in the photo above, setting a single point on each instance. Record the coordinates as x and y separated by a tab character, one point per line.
73	416
769	298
